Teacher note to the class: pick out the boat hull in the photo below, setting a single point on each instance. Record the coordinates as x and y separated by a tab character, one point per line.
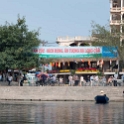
101	99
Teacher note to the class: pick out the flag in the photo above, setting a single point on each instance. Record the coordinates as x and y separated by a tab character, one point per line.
76	62
53	64
68	63
63	63
56	64
59	64
82	60
98	63
117	62
89	63
110	61
102	62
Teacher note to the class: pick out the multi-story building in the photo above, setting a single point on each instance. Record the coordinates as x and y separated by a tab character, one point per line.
74	41
117	16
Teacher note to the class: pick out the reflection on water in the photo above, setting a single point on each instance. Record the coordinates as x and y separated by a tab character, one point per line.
61	112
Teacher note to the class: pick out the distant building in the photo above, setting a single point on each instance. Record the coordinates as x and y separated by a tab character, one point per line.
117	16
74	41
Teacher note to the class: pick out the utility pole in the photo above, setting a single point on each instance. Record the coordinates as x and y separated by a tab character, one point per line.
44	43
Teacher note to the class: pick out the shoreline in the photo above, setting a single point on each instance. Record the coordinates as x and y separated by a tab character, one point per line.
59	93
33	100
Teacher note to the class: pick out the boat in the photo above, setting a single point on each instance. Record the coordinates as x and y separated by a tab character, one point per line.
102	98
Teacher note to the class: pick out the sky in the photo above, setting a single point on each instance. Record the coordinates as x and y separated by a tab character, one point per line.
56	18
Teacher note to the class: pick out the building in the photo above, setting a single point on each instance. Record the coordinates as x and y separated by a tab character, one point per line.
71	57
74	41
117	16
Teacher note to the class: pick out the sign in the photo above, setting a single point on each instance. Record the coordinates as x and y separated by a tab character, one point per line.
73	52
109	52
68	52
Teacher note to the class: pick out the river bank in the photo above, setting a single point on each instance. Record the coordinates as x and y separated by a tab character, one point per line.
59	93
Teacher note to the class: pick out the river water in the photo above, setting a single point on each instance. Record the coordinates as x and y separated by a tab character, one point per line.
58	112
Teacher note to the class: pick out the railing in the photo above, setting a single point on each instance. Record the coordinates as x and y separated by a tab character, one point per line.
77	38
115	9
110	70
122	21
116	22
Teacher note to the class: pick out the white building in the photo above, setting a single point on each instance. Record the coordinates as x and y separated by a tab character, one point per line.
74	41
117	16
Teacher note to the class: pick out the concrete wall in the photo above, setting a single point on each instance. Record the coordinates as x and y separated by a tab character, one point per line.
59	93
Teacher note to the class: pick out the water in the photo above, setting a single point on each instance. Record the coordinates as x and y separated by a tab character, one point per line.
18	112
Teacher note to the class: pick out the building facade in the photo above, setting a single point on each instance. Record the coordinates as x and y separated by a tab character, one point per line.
74	41
117	16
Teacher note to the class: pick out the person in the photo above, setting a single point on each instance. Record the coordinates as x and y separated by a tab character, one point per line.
102	93
53	79
71	82
115	79
110	80
21	80
96	78
76	80
10	79
82	81
91	80
60	80
123	78
0	77
103	80
44	77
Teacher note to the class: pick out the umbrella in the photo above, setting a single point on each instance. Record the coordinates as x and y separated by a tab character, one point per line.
38	75
42	74
38	72
50	75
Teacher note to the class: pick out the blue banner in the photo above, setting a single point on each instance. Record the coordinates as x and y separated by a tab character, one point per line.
109	52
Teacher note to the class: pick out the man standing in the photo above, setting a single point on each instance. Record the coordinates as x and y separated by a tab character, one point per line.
91	80
71	82
82	81
10	79
115	79
123	79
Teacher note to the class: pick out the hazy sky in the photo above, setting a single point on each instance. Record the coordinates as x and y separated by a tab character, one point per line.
57	17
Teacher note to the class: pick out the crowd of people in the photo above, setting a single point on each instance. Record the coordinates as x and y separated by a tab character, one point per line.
76	80
73	80
9	77
95	80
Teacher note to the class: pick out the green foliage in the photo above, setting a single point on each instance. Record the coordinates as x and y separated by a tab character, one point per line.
100	74
104	37
72	72
16	42
46	60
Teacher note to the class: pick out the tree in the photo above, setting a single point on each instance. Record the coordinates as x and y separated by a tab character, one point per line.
110	37
16	42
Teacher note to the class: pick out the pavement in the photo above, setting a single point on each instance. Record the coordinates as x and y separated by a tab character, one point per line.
5	83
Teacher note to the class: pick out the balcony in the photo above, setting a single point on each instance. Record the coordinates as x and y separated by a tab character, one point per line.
115	22
122	22
115	9
110	71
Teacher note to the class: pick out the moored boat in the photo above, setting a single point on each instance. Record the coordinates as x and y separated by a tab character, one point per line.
102	98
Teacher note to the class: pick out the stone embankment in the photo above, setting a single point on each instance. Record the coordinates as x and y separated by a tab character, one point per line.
59	93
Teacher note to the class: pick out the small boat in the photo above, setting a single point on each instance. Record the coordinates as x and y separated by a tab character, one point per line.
101	99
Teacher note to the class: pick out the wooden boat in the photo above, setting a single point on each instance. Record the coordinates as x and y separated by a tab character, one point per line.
101	99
